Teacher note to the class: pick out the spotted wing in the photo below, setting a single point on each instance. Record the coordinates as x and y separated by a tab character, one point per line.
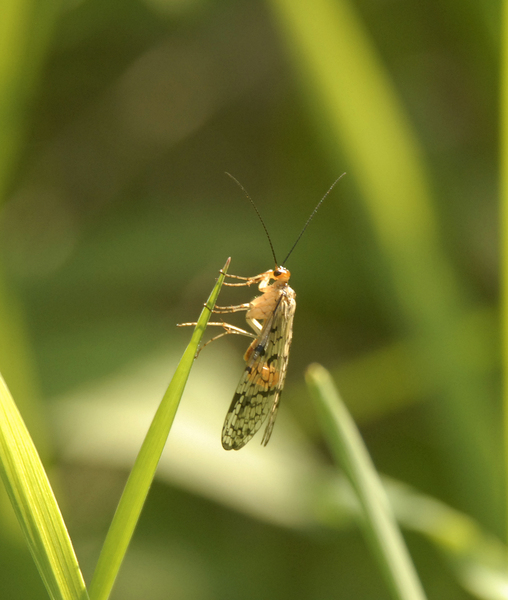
259	390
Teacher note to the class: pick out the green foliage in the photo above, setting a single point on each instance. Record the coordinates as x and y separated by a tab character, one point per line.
376	515
35	505
117	122
142	474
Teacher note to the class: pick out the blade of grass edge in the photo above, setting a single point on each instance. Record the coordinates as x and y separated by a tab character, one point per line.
35	505
142	474
504	224
362	118
476	557
378	521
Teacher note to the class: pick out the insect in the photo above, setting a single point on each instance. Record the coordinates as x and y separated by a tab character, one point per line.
259	390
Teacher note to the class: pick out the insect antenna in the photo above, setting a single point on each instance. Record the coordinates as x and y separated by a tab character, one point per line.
258	213
310	219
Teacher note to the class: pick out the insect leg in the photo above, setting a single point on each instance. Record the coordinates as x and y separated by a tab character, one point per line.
247	280
255	324
237	284
228	329
231	309
235	276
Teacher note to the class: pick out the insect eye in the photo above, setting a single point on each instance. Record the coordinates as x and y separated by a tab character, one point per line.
276	273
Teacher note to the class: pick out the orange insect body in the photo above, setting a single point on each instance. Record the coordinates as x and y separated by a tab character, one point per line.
263	306
258	393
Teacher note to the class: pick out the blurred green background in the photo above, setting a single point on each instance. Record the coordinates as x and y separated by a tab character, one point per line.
117	123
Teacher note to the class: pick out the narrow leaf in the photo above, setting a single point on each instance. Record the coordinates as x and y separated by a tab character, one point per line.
378	520
504	223
35	505
141	477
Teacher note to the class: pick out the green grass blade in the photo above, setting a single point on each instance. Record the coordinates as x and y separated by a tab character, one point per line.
351	93
476	557
379	523
35	505
26	32
361	118
26	28
141	477
504	224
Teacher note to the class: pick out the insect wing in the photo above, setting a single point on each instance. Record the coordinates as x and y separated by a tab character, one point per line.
281	345
258	393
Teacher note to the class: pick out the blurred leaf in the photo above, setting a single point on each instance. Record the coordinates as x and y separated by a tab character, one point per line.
378	520
25	34
290	486
25	27
360	113
389	378
504	223
35	505
477	558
